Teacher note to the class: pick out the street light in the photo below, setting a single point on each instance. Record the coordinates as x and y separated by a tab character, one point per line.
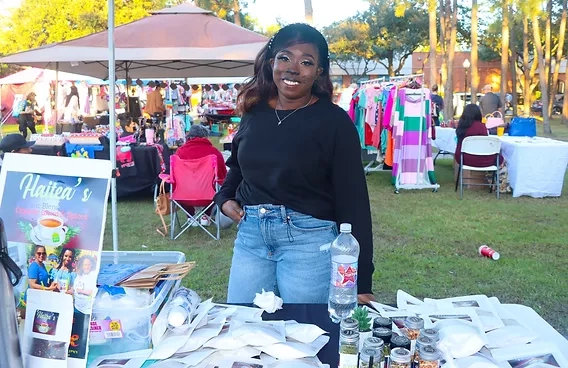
466	64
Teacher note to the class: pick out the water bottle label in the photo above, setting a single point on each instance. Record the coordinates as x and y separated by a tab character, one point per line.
347	361
344	275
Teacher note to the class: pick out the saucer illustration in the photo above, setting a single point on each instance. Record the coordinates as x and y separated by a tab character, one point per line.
38	239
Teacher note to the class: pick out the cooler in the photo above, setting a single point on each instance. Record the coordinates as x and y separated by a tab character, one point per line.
135	323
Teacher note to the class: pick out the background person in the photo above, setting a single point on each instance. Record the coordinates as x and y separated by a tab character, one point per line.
27	118
489	102
295	174
470	125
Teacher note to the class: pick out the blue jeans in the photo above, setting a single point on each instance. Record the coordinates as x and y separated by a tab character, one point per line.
281	250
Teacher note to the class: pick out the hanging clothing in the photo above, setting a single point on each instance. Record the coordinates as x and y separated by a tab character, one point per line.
412	161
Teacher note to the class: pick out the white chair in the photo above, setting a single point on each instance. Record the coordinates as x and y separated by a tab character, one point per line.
480	146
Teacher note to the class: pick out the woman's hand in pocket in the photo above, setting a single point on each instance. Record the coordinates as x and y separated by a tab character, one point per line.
233	210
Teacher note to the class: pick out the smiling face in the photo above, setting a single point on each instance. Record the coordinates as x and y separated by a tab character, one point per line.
68	258
295	69
40	254
87	266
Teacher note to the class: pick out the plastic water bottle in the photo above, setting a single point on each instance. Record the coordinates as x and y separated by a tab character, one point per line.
182	307
344	264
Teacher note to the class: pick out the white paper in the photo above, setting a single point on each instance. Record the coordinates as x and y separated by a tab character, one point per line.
480	303
509	336
531	355
459	339
259	333
241	363
405	300
303	332
466	315
47	328
201	335
225	341
295	350
268	301
174	339
381	308
243	313
132	359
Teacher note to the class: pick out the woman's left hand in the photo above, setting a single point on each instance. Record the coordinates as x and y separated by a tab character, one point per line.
365	298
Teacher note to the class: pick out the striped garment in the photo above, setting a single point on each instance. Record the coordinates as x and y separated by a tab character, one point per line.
411	117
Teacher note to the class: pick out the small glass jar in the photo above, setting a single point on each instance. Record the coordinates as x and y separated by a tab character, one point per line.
373	343
348	348
399	358
382	322
429	357
413	326
349	324
370	358
384	334
400	342
431	333
421	342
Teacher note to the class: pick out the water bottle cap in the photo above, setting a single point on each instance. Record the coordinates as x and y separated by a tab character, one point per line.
345	228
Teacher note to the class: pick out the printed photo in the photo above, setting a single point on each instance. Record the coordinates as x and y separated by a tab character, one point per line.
466	304
246	365
437	317
113	363
538	361
48	349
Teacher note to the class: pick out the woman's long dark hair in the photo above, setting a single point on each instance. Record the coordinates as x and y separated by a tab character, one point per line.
73	255
471	113
261	87
74	92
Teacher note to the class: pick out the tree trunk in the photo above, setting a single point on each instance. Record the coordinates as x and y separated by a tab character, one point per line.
548	51
432	15
505	54
541	73
513	63
559	52
526	69
237	12
309	11
474	52
448	33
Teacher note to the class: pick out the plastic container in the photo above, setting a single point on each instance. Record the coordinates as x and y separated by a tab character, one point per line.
135	323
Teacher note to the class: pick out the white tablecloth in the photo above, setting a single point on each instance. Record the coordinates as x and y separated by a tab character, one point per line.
446	139
536	165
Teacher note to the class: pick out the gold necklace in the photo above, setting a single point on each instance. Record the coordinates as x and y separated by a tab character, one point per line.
287	116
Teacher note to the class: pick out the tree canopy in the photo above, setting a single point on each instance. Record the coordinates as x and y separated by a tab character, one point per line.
383	34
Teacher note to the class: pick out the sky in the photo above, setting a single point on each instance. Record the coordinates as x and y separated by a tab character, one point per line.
289	11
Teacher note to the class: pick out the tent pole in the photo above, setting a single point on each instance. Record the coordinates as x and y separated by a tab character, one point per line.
112	121
46	128
127	89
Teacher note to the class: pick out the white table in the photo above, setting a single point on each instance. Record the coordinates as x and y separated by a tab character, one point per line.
536	165
446	141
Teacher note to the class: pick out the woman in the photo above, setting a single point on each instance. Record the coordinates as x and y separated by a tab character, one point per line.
27	120
63	275
38	277
470	125
72	105
85	283
295	173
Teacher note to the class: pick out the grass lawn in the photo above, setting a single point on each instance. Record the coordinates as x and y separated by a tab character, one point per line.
425	243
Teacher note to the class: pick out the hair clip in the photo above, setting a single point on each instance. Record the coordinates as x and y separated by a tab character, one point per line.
270	42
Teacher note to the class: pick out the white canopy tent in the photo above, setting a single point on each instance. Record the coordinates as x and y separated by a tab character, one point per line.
179	42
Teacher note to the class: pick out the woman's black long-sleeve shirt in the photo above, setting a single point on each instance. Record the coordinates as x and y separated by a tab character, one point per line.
310	163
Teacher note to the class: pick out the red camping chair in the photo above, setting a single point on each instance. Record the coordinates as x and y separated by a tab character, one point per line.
193	182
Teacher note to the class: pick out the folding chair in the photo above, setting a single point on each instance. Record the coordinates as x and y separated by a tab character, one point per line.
480	146
195	183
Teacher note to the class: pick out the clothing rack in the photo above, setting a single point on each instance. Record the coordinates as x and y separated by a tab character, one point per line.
374	81
421	183
403	77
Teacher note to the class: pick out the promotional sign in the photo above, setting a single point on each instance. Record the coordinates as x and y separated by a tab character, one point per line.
54	210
